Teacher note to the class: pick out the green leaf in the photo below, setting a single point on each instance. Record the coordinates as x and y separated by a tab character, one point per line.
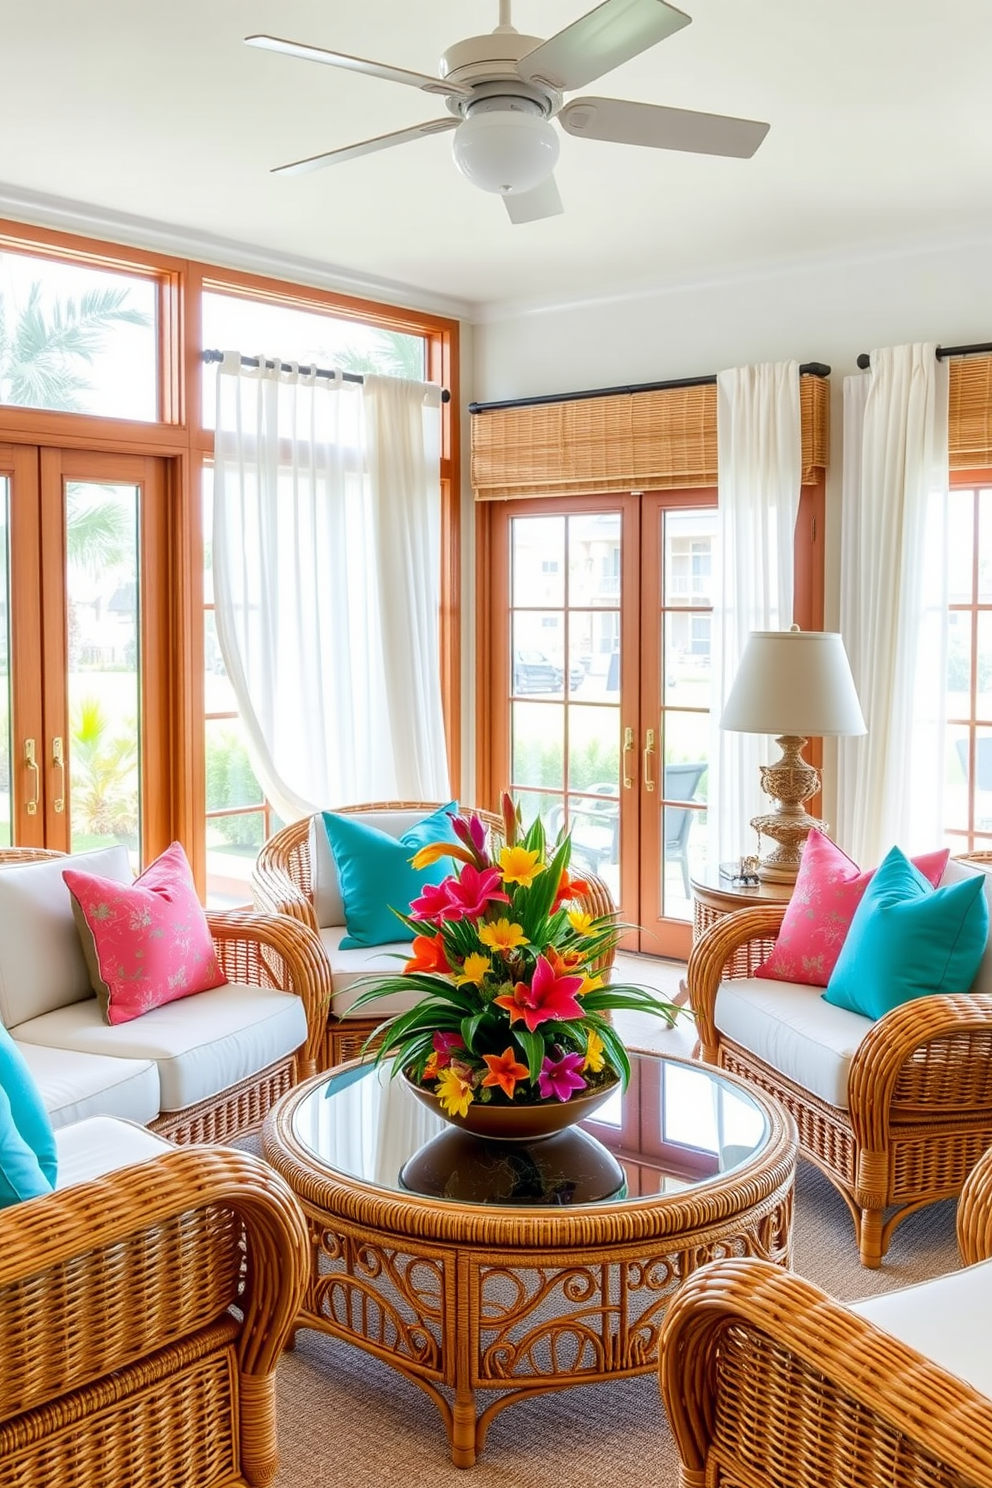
616	1054
470	1027
533	1048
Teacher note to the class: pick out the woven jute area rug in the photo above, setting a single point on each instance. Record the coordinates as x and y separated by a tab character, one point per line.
346	1419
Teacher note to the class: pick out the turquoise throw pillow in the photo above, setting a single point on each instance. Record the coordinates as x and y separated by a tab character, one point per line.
908	939
28	1160
375	874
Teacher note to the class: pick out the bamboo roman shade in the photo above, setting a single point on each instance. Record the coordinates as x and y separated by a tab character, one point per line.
646	441
969	433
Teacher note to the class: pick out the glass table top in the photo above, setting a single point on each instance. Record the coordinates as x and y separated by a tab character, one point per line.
676	1125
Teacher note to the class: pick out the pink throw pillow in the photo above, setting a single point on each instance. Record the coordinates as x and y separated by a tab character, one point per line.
146	943
829	887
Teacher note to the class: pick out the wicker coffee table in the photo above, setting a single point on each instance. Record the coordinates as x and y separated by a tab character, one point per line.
516	1299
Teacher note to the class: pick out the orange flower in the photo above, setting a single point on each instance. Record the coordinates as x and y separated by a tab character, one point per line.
563	962
428	955
504	1070
568	888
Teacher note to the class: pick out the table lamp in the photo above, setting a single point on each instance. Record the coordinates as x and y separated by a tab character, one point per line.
796	684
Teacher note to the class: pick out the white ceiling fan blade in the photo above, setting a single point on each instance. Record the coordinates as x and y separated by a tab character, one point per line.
359	64
662	128
599	41
365	147
531	206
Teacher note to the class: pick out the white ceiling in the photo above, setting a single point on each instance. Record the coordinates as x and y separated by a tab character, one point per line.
880	113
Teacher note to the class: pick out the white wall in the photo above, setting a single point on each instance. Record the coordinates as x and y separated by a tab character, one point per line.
825	311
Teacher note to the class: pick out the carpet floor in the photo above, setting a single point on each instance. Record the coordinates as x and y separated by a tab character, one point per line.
346	1420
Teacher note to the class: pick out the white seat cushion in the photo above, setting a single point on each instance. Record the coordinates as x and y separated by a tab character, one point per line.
42	965
948	1320
348	966
202	1044
791	1028
101	1144
74	1088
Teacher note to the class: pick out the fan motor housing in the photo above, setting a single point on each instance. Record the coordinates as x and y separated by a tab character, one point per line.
488	65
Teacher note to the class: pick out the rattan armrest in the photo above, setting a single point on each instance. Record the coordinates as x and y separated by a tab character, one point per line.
708	962
974	1214
908	1059
766	1370
274	888
273	951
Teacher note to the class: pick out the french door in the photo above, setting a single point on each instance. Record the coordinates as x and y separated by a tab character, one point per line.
86	594
599	648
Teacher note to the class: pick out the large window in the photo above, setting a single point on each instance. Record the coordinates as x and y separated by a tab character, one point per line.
968	760
117	717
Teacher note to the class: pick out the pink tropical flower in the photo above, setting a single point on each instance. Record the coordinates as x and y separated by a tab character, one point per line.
560	1077
471	893
434	904
472	832
445	1044
548	996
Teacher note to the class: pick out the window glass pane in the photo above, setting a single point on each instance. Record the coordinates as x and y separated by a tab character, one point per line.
76	338
218	694
960	546
983	699
253	327
232	846
231	779
104	646
985	546
538	652
688	557
594	559
537	561
538	744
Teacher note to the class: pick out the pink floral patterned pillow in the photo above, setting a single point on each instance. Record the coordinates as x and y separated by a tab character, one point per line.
829	887
146	943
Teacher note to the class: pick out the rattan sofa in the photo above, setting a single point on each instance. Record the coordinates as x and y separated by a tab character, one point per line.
284	882
770	1383
84	1067
918	1111
143	1315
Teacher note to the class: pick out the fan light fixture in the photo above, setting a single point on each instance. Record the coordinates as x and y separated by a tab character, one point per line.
506	146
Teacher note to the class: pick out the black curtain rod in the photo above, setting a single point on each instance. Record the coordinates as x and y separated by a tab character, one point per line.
864	360
808	369
249	361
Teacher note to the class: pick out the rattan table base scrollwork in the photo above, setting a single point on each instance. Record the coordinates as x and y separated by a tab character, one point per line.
471	1301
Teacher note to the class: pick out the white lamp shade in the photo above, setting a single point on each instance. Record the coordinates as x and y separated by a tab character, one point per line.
794	682
505	151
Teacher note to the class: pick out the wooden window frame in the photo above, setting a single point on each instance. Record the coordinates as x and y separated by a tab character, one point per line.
179	435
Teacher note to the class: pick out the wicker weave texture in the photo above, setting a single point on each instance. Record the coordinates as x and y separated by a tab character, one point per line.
769	1381
122	1364
919	1091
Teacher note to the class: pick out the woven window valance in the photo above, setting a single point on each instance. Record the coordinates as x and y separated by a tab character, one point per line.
649	441
969	433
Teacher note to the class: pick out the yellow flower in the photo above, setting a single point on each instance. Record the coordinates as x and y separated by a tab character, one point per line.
589	984
580	922
475	967
595	1053
520	866
454	1092
502	936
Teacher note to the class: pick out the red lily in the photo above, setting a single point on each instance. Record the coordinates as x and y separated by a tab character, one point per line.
428	955
445	1044
568	888
548	996
434	904
472	891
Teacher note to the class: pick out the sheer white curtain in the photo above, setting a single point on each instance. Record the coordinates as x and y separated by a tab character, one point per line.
326	573
894	602
759	454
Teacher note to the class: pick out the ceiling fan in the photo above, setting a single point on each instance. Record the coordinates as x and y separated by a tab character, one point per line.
502	90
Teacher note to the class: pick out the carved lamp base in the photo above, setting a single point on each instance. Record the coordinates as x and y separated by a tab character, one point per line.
789	781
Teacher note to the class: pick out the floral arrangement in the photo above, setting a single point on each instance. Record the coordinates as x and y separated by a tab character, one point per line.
513	1006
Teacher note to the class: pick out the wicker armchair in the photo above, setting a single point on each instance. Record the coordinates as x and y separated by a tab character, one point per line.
282	884
919	1092
143	1317
770	1383
260	950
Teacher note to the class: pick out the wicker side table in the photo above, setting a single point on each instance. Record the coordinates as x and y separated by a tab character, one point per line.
714	896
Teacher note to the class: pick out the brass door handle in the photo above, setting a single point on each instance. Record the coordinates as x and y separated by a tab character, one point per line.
58	760
31	804
648	757
628	745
